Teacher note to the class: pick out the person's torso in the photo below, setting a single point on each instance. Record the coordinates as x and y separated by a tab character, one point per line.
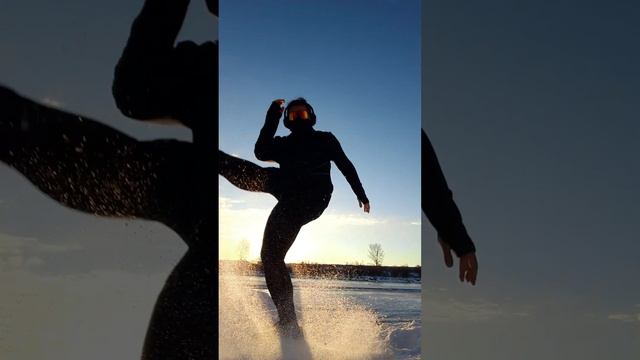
305	159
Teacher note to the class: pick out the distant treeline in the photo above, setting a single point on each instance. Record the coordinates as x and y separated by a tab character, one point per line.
325	270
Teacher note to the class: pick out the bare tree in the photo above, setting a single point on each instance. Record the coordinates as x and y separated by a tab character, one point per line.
376	254
243	249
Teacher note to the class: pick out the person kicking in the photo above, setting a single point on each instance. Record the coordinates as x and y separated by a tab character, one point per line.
302	185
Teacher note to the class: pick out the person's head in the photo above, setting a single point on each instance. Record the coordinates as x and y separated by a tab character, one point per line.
299	115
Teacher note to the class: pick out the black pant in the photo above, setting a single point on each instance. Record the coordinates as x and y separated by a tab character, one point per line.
297	206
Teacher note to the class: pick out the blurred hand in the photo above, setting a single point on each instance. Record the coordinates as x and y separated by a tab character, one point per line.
367	207
275	110
212	5
468	263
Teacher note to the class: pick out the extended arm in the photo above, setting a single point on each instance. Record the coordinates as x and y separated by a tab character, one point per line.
348	170
438	204
159	80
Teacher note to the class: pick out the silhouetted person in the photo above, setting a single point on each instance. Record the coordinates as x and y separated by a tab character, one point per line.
93	168
157	79
302	185
442	212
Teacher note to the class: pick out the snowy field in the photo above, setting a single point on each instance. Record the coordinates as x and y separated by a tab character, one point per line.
340	319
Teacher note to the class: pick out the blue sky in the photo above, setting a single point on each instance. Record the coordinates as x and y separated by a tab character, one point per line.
358	64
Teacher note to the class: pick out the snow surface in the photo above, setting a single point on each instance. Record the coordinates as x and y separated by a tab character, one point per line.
340	320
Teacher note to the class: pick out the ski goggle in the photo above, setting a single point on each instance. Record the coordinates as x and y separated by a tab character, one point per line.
299	114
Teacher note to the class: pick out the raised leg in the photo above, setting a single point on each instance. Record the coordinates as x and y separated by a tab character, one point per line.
247	175
89	166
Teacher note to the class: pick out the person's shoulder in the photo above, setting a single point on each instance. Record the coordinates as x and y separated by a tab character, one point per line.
332	139
327	135
323	133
